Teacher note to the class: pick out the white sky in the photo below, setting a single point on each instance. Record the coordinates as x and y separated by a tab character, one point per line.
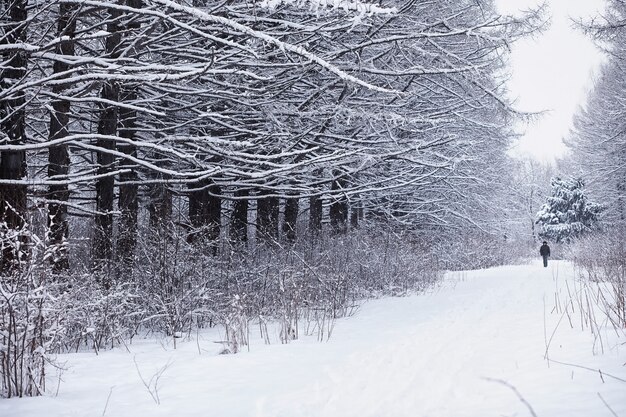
552	71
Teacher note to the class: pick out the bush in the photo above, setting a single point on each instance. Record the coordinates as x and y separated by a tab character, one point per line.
602	259
481	250
24	327
176	287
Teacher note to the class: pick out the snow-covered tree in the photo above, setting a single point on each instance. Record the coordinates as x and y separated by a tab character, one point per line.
598	141
568	214
222	105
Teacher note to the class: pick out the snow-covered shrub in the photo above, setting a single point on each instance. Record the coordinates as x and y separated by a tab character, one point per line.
14	247
601	258
307	286
92	317
22	335
301	287
42	313
176	282
24	324
236	325
177	287
478	250
384	261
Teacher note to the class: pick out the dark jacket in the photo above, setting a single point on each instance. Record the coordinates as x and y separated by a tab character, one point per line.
544	250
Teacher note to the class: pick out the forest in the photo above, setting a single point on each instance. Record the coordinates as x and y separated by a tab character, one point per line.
173	165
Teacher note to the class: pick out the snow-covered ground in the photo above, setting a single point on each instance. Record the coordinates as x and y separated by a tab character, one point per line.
475	346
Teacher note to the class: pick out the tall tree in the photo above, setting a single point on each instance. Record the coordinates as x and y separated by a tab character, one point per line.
239	220
205	211
292	207
13	21
316	206
128	200
58	155
267	216
338	207
107	130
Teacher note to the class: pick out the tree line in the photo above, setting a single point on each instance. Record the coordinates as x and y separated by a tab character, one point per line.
227	120
598	140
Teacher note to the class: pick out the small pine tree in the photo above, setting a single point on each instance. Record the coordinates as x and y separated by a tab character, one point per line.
567	214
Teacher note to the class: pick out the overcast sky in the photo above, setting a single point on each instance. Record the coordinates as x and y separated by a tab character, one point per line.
552	72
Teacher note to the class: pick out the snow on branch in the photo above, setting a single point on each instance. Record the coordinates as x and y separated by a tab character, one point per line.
284	46
230	24
360	7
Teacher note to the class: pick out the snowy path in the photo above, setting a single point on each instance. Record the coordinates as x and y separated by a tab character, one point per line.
427	355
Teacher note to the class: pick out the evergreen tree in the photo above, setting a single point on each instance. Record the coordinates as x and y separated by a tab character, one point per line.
568	214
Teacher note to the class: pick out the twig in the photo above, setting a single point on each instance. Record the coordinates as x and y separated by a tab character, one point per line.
153	385
602	374
107	403
552	335
607	405
545	330
517	393
198	340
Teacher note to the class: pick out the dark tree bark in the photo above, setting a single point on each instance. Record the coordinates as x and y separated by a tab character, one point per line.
239	221
292	207
205	211
338	208
103	239
128	201
159	207
315	215
159	196
58	156
267	216
13	129
107	125
356	215
214	214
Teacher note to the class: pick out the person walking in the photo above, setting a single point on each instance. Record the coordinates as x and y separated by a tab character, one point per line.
544	251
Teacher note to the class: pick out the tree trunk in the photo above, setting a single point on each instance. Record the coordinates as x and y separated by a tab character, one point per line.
205	211
58	156
13	125
107	125
532	213
214	214
160	202
239	221
128	202
315	215
267	217
356	214
338	208
159	207
103	240
291	218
